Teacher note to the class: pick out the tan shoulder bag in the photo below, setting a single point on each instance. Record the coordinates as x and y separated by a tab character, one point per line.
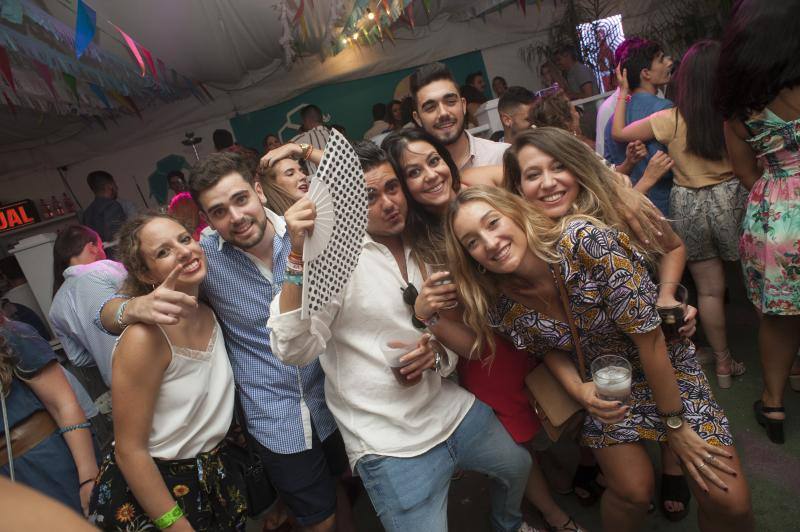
561	415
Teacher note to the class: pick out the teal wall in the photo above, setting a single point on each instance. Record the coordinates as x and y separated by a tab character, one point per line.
349	103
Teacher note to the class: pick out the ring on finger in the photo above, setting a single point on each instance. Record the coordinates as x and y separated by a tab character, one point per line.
700	466
709	458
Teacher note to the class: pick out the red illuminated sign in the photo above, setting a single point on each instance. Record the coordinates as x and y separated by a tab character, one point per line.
17	214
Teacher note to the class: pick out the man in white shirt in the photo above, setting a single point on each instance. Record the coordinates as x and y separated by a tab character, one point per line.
84	282
314	133
441	110
404	440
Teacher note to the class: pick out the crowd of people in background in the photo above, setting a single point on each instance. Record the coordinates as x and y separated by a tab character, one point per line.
554	244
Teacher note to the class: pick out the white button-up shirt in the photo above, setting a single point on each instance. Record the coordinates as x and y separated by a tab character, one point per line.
375	414
484	152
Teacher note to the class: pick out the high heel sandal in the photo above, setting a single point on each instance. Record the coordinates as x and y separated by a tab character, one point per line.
674	488
774	426
737	368
585	485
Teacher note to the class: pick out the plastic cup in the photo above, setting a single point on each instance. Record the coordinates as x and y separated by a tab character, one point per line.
612	378
442	267
394	344
671	306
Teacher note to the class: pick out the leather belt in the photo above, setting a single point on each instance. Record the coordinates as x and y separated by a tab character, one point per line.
27	434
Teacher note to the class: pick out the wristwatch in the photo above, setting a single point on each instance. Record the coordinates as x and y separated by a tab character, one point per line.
673	420
306	150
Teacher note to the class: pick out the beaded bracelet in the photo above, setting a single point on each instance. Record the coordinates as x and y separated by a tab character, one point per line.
84	425
293	278
169	518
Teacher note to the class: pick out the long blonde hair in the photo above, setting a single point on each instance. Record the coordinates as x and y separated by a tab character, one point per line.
602	190
278	198
478	288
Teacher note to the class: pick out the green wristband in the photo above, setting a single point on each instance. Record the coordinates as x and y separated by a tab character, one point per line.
169	518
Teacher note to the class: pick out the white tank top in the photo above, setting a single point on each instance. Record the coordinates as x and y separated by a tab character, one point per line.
194	408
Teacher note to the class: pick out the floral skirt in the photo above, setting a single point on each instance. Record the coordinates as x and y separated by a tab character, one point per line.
208	488
770	245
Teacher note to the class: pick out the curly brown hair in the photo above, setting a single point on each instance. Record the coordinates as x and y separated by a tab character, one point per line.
553	110
128	252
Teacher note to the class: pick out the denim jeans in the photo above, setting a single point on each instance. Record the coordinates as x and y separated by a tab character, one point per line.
411	493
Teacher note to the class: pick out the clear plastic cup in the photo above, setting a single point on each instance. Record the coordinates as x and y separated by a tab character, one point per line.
442	267
394	344
612	378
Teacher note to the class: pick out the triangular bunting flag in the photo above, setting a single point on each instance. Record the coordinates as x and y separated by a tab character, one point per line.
72	84
85	26
44	72
98	91
132	47
5	68
10	104
148	57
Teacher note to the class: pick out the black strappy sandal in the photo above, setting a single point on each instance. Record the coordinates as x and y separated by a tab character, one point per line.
774	426
585	480
674	488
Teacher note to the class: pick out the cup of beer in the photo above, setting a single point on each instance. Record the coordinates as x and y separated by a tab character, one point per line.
394	344
612	378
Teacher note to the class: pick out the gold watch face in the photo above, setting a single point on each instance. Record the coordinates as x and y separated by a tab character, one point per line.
674	422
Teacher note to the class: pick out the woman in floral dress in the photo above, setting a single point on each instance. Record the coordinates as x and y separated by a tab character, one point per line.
173	396
759	95
504	257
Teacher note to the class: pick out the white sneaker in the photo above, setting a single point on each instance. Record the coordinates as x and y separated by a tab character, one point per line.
525	527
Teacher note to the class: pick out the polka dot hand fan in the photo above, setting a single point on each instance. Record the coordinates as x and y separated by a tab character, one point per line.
323	225
331	252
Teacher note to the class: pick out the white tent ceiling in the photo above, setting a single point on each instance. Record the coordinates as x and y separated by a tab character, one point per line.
233	46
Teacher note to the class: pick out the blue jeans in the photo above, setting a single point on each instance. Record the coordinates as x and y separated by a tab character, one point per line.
411	493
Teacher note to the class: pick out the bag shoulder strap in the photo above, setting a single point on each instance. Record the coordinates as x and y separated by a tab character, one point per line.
242	417
562	289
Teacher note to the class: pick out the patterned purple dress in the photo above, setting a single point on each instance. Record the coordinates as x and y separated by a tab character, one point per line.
611	295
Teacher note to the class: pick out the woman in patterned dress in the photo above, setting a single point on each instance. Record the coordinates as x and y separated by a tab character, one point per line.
173	396
503	254
540	166
758	87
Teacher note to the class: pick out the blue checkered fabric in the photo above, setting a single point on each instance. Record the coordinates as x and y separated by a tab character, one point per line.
272	392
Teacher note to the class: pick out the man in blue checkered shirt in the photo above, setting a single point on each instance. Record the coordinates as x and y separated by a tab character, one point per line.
284	405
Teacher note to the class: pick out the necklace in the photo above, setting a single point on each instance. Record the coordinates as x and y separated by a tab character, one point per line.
525	288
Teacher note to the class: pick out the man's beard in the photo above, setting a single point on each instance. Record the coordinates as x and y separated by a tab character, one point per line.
452	137
261	225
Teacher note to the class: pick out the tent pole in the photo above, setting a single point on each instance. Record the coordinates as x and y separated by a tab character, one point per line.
68	187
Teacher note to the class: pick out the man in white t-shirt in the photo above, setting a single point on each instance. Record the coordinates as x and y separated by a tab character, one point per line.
441	110
404	440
